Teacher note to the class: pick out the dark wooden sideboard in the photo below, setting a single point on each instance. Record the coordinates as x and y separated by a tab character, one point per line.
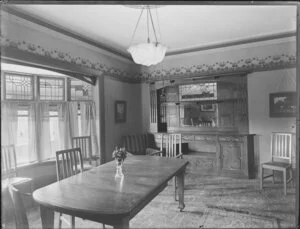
212	116
232	154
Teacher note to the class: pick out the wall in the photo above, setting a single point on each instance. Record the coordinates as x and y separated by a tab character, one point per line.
145	101
131	93
260	85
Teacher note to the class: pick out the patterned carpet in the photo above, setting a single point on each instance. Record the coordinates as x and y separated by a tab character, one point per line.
211	202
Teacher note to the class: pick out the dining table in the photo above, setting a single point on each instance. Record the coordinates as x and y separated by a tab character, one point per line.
99	196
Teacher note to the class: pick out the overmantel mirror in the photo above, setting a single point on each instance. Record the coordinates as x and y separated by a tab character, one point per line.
218	103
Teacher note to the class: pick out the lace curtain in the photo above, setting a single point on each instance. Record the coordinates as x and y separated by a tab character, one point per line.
46	136
9	123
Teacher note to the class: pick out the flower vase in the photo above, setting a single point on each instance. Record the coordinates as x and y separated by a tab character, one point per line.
119	172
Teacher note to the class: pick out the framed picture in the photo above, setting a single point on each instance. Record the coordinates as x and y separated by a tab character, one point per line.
283	104
208	107
120	111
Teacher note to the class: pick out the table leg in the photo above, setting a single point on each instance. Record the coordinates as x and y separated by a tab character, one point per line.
47	217
261	177
180	189
121	223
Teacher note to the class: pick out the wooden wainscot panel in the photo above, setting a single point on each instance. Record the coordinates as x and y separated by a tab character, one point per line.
231	159
230	138
205	138
235	156
203	165
187	137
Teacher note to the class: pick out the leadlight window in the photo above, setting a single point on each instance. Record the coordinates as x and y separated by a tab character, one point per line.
198	92
18	87
80	90
52	88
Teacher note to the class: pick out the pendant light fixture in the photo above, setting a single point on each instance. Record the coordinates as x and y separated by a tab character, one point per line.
149	53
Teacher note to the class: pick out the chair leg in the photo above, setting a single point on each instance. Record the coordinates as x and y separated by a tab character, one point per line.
291	177
284	180
31	191
273	177
103	225
73	222
59	220
175	189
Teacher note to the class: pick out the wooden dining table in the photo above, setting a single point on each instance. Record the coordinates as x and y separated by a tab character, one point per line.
98	196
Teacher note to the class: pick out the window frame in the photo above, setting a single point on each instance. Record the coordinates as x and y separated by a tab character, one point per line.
32	82
35	84
69	91
39	77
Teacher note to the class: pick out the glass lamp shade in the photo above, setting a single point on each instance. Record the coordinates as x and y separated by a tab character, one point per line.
147	53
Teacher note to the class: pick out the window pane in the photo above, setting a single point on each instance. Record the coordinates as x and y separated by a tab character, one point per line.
18	87
80	90
22	143
54	133
51	89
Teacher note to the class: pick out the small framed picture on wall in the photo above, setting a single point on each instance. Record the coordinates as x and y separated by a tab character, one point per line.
120	111
283	104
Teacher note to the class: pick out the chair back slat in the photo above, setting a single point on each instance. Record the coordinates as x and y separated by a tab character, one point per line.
85	144
281	146
127	142
172	144
9	161
135	144
67	162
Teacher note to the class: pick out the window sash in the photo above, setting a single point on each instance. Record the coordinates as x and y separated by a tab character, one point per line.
62	79
24	75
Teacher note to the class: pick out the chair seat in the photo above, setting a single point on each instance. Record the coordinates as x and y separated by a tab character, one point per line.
276	164
14	181
86	166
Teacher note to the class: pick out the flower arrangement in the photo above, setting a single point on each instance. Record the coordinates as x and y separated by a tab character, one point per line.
119	154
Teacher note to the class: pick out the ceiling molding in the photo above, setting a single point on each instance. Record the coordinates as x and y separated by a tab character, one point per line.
22	51
234	43
64	31
37	54
255	64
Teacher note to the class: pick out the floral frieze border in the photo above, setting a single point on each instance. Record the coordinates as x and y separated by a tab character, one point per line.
242	65
67	57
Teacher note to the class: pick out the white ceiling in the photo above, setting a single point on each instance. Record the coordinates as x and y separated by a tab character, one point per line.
182	26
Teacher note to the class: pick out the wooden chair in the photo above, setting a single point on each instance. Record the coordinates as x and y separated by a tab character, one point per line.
85	144
9	169
140	144
18	207
68	163
281	158
171	145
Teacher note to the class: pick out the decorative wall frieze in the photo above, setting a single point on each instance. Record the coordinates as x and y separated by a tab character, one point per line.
98	67
242	65
149	75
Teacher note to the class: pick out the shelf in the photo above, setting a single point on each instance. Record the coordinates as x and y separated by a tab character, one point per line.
203	101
